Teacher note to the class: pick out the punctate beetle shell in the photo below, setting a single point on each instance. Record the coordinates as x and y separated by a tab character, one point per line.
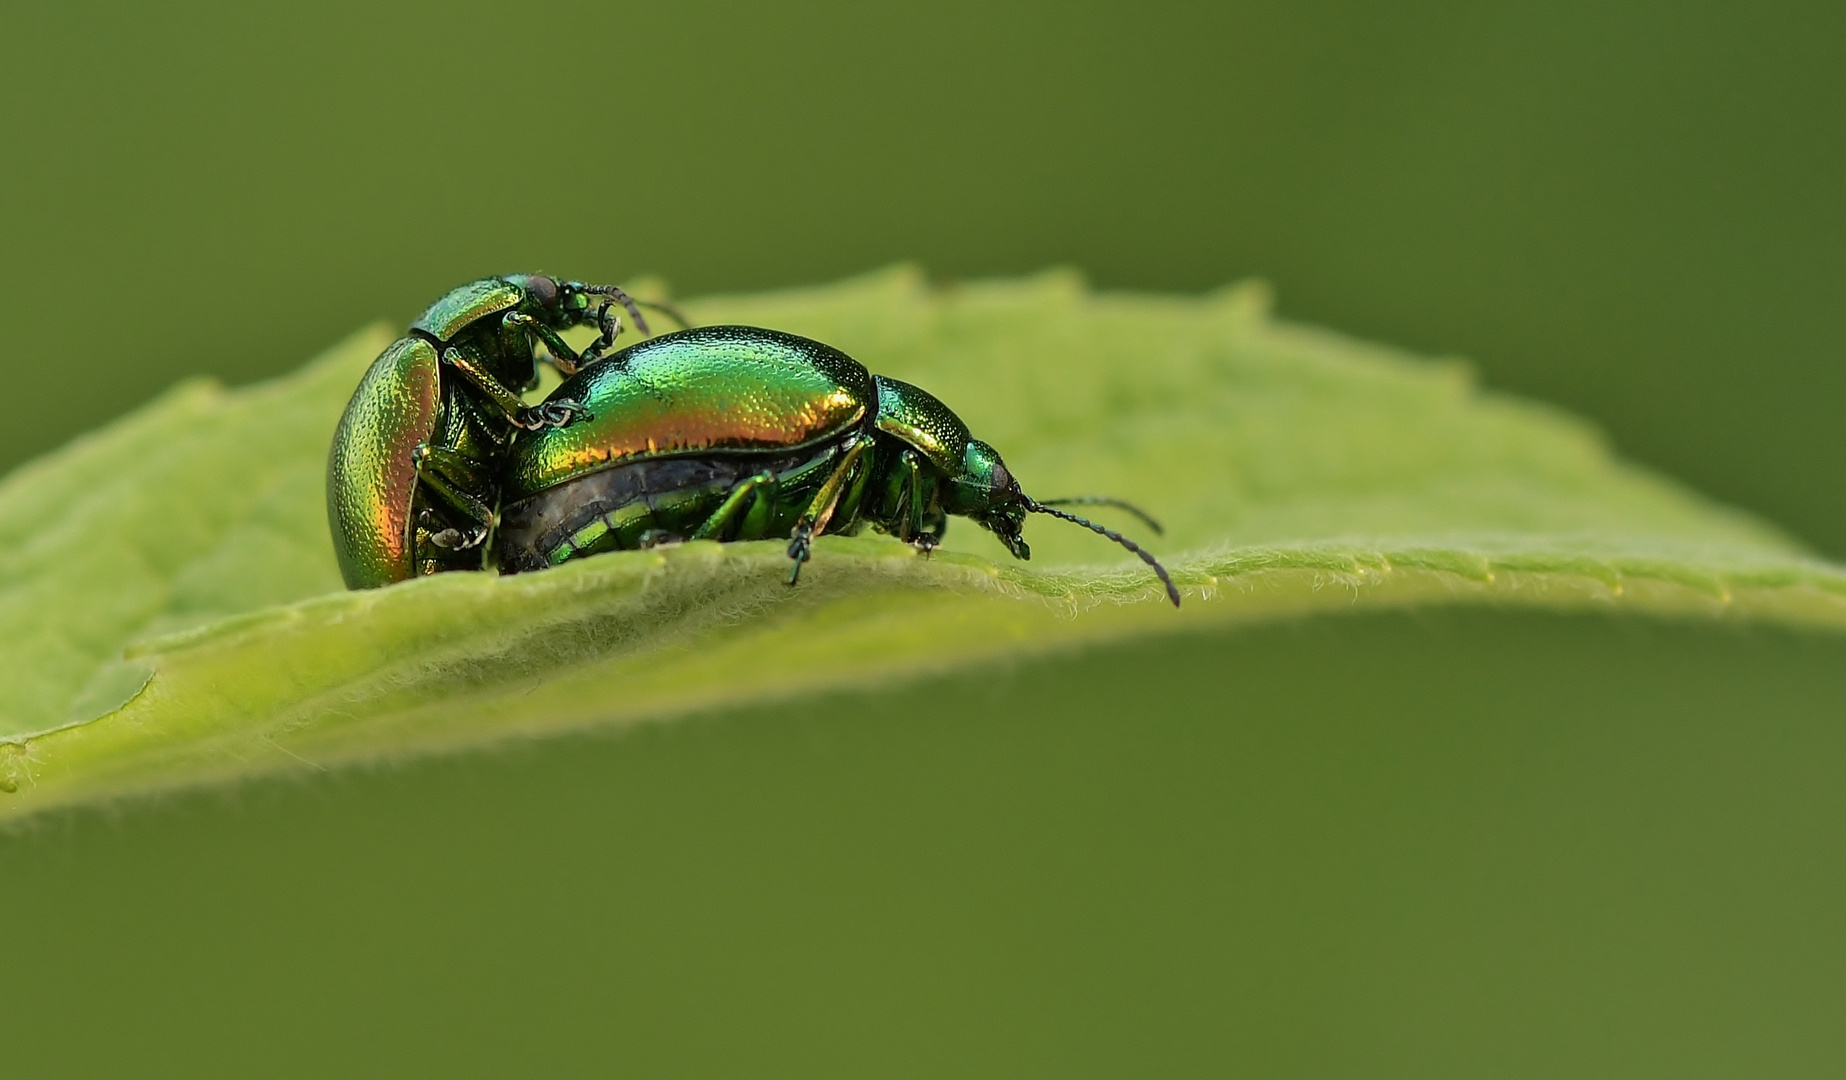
716	388
371	470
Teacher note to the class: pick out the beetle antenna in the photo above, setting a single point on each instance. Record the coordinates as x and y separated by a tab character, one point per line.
1160	571
1104	500
669	311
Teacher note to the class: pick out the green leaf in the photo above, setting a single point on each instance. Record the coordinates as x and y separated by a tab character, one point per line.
173	613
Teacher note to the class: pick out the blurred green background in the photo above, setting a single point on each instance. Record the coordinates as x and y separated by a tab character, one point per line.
1449	844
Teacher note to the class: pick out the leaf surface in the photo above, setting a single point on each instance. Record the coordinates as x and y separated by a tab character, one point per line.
173	613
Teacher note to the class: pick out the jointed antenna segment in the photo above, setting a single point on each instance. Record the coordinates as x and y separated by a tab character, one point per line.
1105	500
1159	570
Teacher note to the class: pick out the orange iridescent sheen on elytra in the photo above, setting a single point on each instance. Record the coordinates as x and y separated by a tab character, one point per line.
372	472
709	389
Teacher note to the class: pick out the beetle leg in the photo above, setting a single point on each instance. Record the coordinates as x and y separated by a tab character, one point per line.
615	294
563	357
913	487
610	325
906	505
914	503
929	536
560	412
743	502
453	478
850	507
508	400
820	511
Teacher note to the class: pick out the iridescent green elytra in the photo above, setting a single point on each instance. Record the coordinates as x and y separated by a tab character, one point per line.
738	433
413	473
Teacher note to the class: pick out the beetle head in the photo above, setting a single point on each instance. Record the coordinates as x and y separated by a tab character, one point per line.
544	297
542	291
580	302
558	304
987	493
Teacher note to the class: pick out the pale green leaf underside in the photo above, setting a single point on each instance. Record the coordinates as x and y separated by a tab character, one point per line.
172	611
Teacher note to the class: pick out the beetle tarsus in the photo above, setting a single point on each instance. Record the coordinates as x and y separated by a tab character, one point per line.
562	412
611	326
800	548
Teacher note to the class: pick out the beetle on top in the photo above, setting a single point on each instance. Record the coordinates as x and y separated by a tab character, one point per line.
413	473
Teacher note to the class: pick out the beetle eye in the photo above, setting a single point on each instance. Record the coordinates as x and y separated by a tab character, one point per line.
542	289
1002	480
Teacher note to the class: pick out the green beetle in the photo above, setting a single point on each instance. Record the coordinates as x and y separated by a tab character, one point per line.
739	433
413	474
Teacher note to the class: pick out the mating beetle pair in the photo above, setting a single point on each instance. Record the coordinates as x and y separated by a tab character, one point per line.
413	477
717	433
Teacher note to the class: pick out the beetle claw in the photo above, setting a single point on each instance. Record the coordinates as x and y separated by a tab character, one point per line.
800	548
562	412
611	326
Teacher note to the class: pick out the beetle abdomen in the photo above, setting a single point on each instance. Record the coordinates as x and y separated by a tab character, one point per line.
668	498
371	470
713	389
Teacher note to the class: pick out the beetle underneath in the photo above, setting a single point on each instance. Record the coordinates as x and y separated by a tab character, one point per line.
740	433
